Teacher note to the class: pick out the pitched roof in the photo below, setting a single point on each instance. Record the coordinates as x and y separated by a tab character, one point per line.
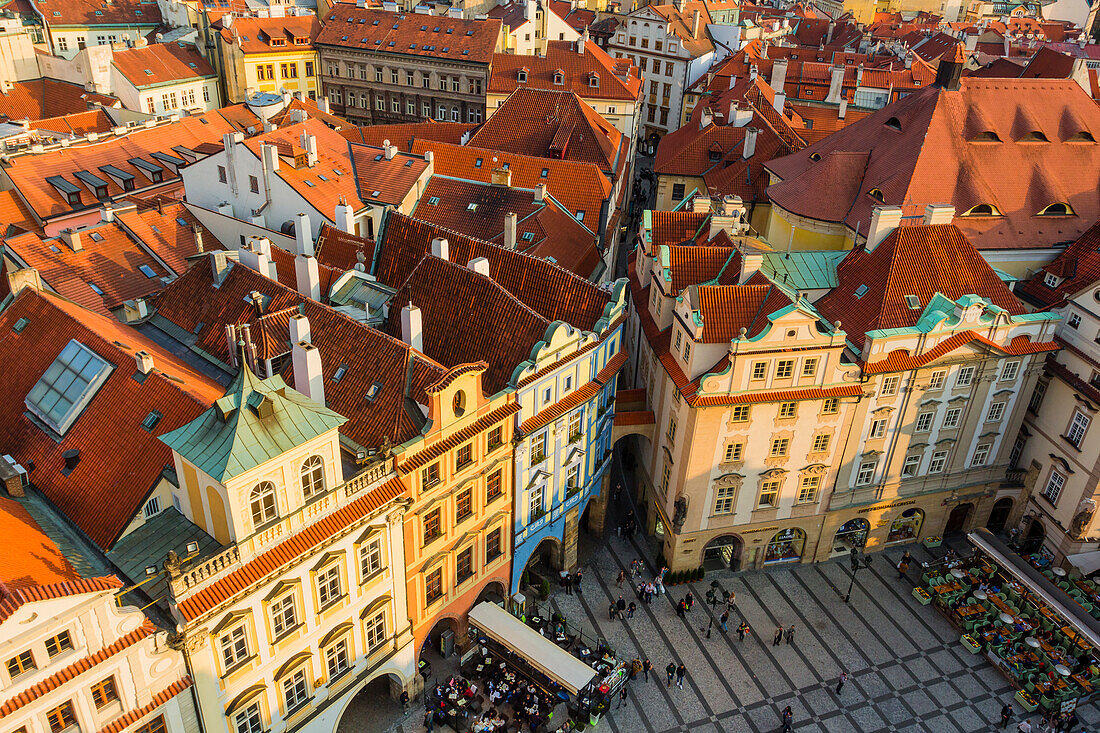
921	261
692	265
256	421
1076	267
1048	64
543	228
109	269
162	63
404	134
60	13
254	35
385	180
550	124
412	34
37	99
726	309
107	487
165	228
340	250
577	69
14	215
77	124
682	23
31	558
921	150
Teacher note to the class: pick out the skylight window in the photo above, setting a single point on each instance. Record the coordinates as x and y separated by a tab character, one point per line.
861	291
155	229
580	216
339	373
528	236
373	391
375	194
96	237
913	302
378	157
151	420
322	176
95	288
545	172
433	201
309	183
471	207
477	163
147	271
67	387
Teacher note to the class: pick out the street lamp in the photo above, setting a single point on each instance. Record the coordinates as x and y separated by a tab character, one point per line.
858	562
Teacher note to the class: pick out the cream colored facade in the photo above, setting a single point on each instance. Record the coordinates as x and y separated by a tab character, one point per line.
56	632
537	26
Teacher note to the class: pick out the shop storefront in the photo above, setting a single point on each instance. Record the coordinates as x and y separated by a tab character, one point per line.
785	546
851	534
906	526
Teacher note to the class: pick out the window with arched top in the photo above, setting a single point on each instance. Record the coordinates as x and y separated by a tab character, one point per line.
263	504
815	156
893	123
1084	136
313	477
1034	137
1058	209
877	195
982	210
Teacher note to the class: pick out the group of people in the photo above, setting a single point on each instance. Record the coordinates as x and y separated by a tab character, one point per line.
569	581
1055	722
781	634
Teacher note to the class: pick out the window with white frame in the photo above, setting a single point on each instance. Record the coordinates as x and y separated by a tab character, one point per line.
1074	321
284	617
890	385
981	455
1051	280
1054	486
938	462
924	422
965	377
370	557
723	499
951	418
262	502
996	412
329	587
537	503
249	719
1010	370
337	659
937	378
295	690
375	633
878	428
572	479
807	489
234	647
912	463
1077	428
538	447
866	473
313	477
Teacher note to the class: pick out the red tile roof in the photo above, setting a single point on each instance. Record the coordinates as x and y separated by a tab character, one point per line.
162	63
726	309
31	558
674	227
543	230
342	251
693	265
935	158
290	550
404	134
113	417
77	124
551	124
575	399
109	260
14	215
38	99
11	600
1048	64
254	35
577	69
483	423
382	180
437	37
161	230
132	716
635	418
62	13
77	668
1077	267
919	261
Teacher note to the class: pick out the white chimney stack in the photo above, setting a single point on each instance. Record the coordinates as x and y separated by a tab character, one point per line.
303	233
390	150
480	265
441	248
510	222
307	277
780	101
779	74
308	377
836	85
412	327
322	104
144	361
884	219
71	237
345	217
299	330
939	214
270	156
750	142
309	142
540	193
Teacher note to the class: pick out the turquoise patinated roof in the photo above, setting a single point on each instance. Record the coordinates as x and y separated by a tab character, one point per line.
257	420
805	270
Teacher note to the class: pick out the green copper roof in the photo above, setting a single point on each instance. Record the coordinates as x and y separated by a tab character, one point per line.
803	270
257	420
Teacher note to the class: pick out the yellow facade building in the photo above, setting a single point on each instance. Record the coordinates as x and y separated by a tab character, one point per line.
269	55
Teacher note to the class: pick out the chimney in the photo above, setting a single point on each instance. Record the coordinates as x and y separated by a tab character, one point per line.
884	219
480	265
71	458
309	144
265	249
308	377
108	213
412	328
779	74
11	476
441	248
842	109
28	277
71	237
779	102
269	154
250	255
322	104
345	218
939	214
299	330
144	361
390	150
753	71
700	204
303	235
501	176
307	277
196	232
510	220
695	24
750	142
829	32
836	86
219	265
540	193
583	41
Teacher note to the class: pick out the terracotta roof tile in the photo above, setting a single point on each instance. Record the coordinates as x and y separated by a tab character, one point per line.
31	557
382	180
438	37
726	309
575	399
14	215
60	13
634	418
38	99
162	63
404	134
342	251
692	265
289	550
674	227
77	124
901	360
254	35
132	716
577	68
1077	267
113	417
11	600
159	228
421	458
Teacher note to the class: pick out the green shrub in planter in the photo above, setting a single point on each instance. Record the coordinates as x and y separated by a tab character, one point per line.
700	573
545	588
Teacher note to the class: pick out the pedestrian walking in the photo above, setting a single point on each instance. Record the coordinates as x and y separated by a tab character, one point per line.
778	636
646	666
619	580
689	599
631	609
841	681
670	670
788	718
1006	715
577	581
744	627
620	606
405	701
681	608
730	605
1025	727
903	568
680	672
622	698
611	611
790	634
660	583
635	668
429	720
725	618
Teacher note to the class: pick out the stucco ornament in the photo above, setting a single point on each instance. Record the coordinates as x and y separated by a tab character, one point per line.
1083	517
680	514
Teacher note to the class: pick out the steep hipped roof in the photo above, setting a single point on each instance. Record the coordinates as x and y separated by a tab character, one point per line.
60	13
37	99
411	34
577	72
694	264
726	309
385	180
920	261
1076	268
30	557
916	152
108	486
162	63
256	421
254	35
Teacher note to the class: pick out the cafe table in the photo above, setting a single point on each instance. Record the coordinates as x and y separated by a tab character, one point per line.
1007	618
1060	572
1032	642
958	572
1056	685
1062	670
947	588
1084	683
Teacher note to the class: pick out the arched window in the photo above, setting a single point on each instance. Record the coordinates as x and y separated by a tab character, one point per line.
893	123
1057	210
263	504
815	156
1034	136
877	195
313	477
982	210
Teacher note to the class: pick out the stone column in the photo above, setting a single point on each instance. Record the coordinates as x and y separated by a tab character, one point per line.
597	506
566	556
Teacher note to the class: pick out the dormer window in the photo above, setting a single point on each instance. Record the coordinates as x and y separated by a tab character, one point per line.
521	77
893	123
1057	210
1034	137
987	136
877	195
594	81
1084	136
559	78
815	157
1051	280
982	210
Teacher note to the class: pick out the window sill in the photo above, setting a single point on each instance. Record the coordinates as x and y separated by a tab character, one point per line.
463	466
1070	443
285	636
367	579
430	540
460	581
240	666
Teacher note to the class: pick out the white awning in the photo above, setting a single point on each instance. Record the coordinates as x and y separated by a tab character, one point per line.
1086	562
541	653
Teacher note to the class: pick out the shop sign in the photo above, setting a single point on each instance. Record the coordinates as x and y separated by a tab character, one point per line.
761	529
966	497
880	507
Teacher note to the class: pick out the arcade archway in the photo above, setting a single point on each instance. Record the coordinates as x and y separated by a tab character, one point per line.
998	516
723	553
958	518
376	707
